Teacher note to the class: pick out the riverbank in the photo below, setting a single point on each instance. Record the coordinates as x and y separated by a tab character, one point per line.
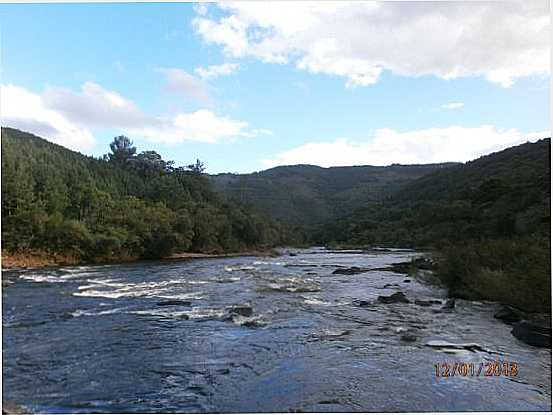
36	259
40	259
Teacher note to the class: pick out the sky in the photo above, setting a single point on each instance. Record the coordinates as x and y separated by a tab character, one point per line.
245	86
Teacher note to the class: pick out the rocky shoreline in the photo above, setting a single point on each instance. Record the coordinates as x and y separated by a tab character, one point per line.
533	329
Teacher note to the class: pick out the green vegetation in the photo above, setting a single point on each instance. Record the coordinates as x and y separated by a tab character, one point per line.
306	197
124	206
512	271
489	220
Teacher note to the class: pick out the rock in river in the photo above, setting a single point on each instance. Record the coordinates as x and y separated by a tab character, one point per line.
533	334
242	310
509	314
397	297
409	337
362	303
427	303
173	302
350	271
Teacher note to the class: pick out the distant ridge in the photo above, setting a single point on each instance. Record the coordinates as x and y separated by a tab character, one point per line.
307	195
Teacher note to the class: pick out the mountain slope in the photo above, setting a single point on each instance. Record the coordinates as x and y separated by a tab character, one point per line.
500	195
308	195
60	202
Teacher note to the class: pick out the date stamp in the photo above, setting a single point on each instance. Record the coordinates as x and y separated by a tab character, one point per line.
470	369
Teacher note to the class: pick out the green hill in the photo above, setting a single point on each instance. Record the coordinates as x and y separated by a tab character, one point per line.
124	206
504	194
307	196
488	220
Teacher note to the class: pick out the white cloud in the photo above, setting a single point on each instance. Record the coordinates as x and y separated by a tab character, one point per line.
68	118
453	105
202	125
95	106
181	82
387	146
27	111
214	71
500	41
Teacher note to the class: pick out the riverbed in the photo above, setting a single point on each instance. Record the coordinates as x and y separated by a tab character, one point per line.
256	334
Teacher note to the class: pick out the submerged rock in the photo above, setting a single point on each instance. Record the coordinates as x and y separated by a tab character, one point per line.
427	303
509	314
391	286
362	303
174	302
397	297
423	303
409	337
290	285
331	334
531	333
350	271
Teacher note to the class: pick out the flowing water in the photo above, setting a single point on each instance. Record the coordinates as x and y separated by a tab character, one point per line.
164	337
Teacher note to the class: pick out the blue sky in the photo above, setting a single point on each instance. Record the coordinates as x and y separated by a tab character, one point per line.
247	86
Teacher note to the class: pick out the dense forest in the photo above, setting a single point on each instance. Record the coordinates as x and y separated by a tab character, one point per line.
501	195
308	196
126	205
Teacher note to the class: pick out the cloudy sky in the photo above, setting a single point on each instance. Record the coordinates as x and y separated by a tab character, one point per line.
250	85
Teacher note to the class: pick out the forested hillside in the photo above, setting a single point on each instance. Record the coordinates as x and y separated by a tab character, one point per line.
489	220
127	205
306	196
504	194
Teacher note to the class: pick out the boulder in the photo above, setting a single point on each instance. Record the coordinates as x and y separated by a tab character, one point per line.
397	297
406	267
242	310
509	314
407	280
537	335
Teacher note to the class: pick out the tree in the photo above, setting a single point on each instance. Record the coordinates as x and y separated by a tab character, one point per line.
122	150
196	168
150	164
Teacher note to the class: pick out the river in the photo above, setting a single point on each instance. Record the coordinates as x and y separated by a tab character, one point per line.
164	337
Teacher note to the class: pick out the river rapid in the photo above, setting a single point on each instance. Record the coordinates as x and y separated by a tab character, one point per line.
252	334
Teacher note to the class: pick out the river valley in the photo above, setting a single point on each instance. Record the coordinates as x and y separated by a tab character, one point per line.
256	334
